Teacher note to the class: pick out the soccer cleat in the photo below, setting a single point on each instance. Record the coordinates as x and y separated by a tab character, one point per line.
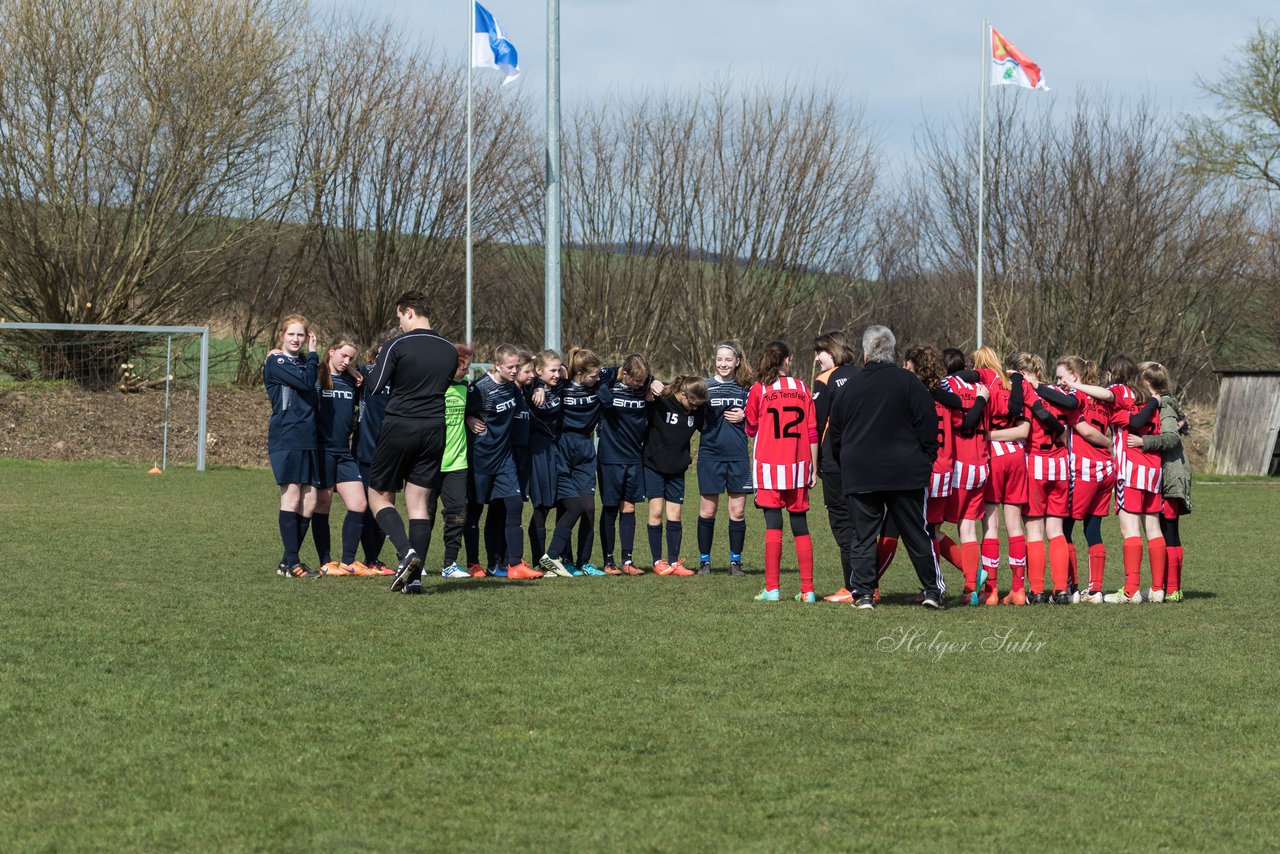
552	566
735	567
413	588
806	598
1156	596
662	568
476	571
522	572
629	568
496	572
410	570
1061	597
991	597
841	595
1091	597
380	568
454	571
591	569
932	601
1041	598
917	599
1173	596
282	568
864	603
358	568
767	596
332	567
704	567
1122	598
299	570
610	568
574	569
678	568
1015	597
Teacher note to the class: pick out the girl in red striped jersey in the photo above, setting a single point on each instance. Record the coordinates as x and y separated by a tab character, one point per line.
780	417
1138	476
972	450
1093	474
1054	413
1005	492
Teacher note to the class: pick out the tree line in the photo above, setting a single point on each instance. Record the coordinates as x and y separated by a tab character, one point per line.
229	161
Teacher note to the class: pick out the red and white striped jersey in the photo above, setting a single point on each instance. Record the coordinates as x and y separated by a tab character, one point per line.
1138	469
944	463
1047	455
1002	418
1090	463
973	452
781	418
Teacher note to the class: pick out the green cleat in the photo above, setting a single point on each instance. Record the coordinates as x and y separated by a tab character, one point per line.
806	598
767	596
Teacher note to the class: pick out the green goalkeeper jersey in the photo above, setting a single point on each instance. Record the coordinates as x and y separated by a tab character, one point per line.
455	428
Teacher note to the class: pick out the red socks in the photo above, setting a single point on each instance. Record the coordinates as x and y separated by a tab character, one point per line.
1073	576
772	558
1018	561
947	548
1159	562
1132	565
885	550
991	561
970	560
1173	580
1097	565
1035	566
1059	563
804	556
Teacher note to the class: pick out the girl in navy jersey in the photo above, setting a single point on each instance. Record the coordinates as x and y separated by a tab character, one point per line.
674	416
576	477
543	396
336	422
625	392
289	375
369	424
724	464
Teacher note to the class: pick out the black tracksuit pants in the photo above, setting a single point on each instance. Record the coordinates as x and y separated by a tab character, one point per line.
838	517
906	508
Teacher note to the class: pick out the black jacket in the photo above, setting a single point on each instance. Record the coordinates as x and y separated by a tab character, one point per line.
883	429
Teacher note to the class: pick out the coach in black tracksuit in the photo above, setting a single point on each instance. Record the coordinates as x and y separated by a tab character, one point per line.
883	429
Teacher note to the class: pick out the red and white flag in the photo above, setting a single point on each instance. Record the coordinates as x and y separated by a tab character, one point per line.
1011	66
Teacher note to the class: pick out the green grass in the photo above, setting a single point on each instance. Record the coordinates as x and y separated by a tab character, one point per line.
161	688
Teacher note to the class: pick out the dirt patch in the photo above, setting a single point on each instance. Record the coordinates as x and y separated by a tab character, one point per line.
63	422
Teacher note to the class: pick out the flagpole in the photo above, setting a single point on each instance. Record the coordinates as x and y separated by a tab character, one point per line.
552	293
471	47
982	159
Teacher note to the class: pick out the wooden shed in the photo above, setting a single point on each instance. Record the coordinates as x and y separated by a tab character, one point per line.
1247	438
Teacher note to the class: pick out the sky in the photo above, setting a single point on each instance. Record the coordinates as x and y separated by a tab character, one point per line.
907	64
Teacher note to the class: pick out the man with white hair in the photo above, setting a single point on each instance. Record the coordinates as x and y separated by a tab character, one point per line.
883	429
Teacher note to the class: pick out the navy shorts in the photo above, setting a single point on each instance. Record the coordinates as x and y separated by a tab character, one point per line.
621	482
544	462
338	468
717	476
577	472
295	467
494	486
669	487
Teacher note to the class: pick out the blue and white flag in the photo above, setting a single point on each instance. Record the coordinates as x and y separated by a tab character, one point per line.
490	48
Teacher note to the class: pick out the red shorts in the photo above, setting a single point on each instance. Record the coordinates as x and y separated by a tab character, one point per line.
1133	500
965	504
1092	497
1175	507
936	510
1048	498
1007	482
791	500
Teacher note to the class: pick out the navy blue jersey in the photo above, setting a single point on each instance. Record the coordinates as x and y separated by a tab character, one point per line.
624	420
722	441
579	407
496	405
547	417
291	388
670	429
523	424
372	408
336	417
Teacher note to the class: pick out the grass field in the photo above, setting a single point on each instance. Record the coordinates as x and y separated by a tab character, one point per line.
162	688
